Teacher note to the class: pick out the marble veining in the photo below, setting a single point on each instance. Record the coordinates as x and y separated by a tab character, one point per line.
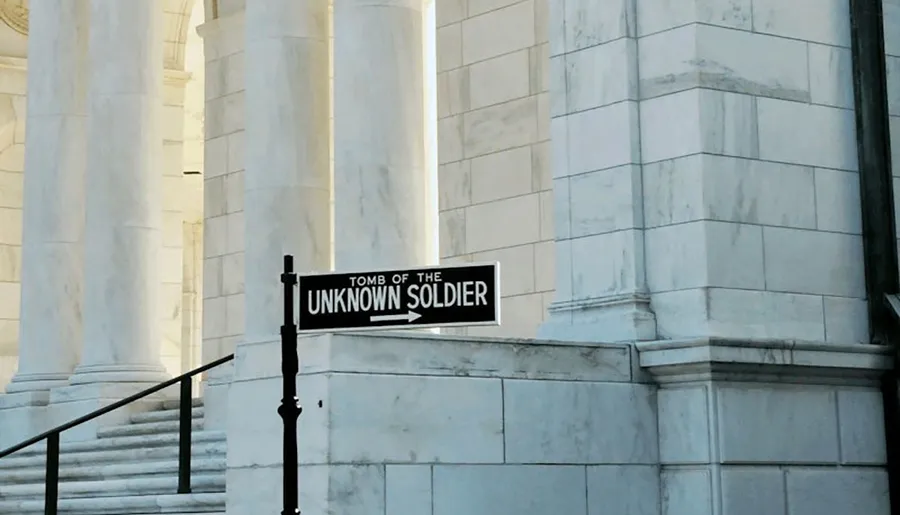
122	332
54	197
286	181
380	187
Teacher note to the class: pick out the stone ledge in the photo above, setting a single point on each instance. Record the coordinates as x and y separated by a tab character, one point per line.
425	354
24	399
15	64
752	360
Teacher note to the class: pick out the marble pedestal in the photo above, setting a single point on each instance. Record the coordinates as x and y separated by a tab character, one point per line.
775	427
215	388
27	414
402	424
23	415
422	424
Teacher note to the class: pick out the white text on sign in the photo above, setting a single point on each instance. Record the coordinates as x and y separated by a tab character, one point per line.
377	292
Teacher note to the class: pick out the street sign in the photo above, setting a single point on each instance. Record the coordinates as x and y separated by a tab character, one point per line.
445	296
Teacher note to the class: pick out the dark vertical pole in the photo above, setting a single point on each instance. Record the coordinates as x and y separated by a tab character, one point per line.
51	479
290	408
877	205
184	437
875	177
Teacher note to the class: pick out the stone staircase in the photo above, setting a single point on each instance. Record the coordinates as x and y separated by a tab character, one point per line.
128	470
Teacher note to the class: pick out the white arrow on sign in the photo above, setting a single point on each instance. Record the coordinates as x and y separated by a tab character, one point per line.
409	317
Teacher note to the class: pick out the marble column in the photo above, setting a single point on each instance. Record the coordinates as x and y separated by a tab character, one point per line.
50	330
286	181
124	179
381	187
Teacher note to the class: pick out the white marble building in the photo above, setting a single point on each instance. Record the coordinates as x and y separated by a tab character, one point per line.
671	187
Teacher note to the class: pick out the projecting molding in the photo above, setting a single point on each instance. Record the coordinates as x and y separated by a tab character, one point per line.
15	14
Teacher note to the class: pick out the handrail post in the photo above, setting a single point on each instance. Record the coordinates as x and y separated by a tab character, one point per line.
184	437
51	478
290	408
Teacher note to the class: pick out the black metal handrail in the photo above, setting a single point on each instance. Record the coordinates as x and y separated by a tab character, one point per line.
51	478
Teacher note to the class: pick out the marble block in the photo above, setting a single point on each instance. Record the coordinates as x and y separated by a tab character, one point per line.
769	426
23	415
406	423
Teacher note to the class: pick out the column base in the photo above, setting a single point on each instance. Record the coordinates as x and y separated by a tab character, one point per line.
36	382
23	415
99	374
70	402
613	319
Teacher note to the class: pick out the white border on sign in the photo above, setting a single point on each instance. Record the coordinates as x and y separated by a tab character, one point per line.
497	298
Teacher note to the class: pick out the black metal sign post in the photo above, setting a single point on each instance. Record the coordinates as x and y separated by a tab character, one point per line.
382	299
445	296
290	407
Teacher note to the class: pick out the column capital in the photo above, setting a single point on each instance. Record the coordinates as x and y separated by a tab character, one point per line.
222	36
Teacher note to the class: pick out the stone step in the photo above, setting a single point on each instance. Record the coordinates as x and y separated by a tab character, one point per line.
213	503
163	415
135	455
121	442
168	468
130	469
115	487
147	428
175	403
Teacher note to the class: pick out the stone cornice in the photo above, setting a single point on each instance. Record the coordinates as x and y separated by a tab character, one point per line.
626	299
755	360
215	26
170	77
176	77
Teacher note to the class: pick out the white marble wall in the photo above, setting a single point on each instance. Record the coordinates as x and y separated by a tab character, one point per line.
192	201
750	170
494	187
435	425
746	151
12	154
601	286
174	200
745	443
223	184
725	252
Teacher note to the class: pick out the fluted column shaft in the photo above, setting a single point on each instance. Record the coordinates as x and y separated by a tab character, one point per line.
287	198
51	330
381	195
124	180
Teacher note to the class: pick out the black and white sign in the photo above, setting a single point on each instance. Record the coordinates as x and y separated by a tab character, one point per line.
420	297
